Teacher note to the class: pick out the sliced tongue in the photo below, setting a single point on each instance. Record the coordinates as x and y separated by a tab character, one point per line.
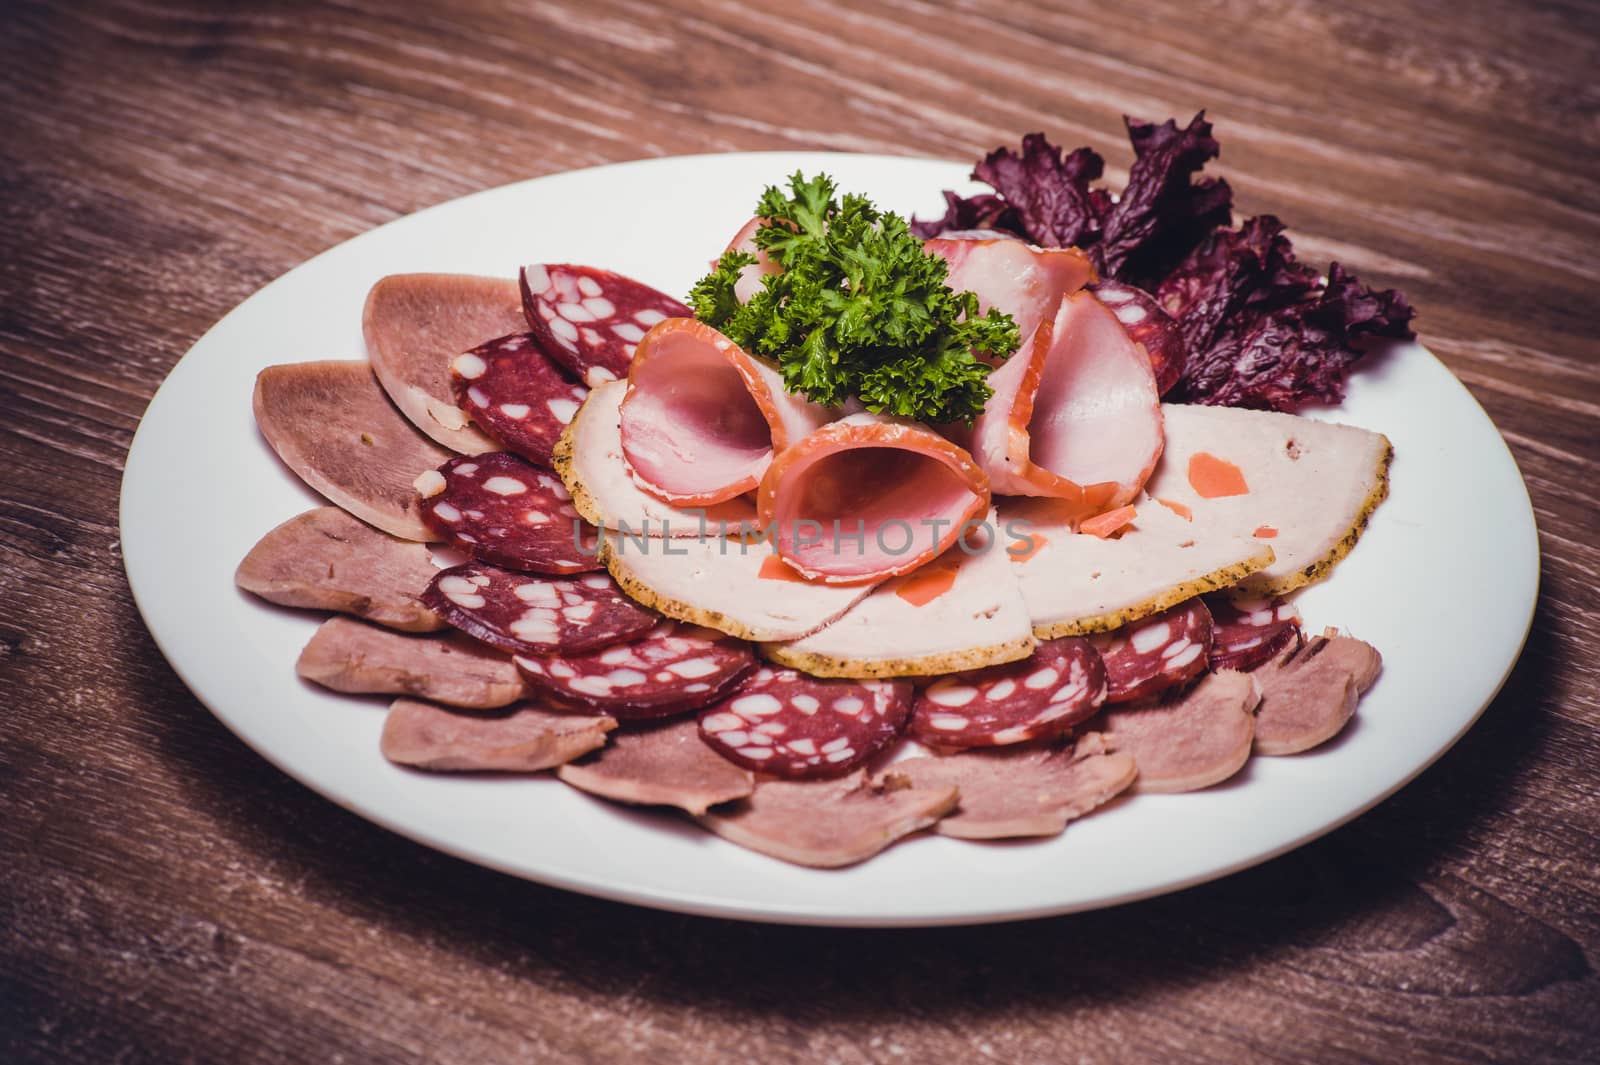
1194	741
521	740
355	658
527	614
1309	693
660	764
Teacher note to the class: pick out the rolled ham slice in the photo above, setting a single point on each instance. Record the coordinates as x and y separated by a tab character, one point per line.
1075	413
1024	281
750	277
869	497
702	419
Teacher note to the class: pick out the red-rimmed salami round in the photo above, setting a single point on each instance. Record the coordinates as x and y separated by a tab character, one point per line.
672	669
1148	323
1042	696
525	613
516	394
795	726
502	509
1156	653
591	320
1248	632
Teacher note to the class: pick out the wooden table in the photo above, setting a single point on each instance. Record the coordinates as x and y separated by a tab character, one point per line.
167	896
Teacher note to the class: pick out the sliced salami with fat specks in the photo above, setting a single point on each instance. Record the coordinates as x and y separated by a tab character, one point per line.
1148	324
673	669
516	394
1246	633
535	615
791	725
504	510
591	320
1039	697
1154	654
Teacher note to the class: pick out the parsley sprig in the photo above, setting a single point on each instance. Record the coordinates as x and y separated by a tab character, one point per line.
859	309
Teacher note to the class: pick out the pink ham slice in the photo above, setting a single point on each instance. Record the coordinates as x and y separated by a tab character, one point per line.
904	488
1074	415
1025	282
702	419
750	277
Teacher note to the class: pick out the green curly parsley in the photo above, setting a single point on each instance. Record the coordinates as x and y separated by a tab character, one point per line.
859	309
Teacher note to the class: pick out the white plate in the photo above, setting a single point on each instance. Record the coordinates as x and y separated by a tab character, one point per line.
201	487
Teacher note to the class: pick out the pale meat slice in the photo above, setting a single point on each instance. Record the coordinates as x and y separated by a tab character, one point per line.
326	560
869	497
415	324
751	277
1075	414
702	418
333	426
1027	791
964	610
589	460
727	584
829	823
660	765
1199	739
1076	584
1305	487
522	740
1309	693
355	658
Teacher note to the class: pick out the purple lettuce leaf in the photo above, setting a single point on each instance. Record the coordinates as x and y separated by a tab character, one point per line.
1163	213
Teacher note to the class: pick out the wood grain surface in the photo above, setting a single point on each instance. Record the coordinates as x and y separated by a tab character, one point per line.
167	896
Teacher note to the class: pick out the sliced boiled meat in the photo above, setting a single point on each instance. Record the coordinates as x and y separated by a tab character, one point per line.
1037	698
673	669
790	725
590	461
591	320
963	610
516	394
359	659
1074	415
325	559
536	615
1150	326
1075	583
1309	693
414	324
1306	488
829	823
524	739
501	509
333	426
702	418
1158	653
1248	632
660	764
1022	791
1014	277
727	584
869	497
1198	739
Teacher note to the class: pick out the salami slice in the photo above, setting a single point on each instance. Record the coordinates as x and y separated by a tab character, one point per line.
1148	324
798	727
1156	653
504	510
590	320
1249	632
1063	683
516	394
672	669
533	615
